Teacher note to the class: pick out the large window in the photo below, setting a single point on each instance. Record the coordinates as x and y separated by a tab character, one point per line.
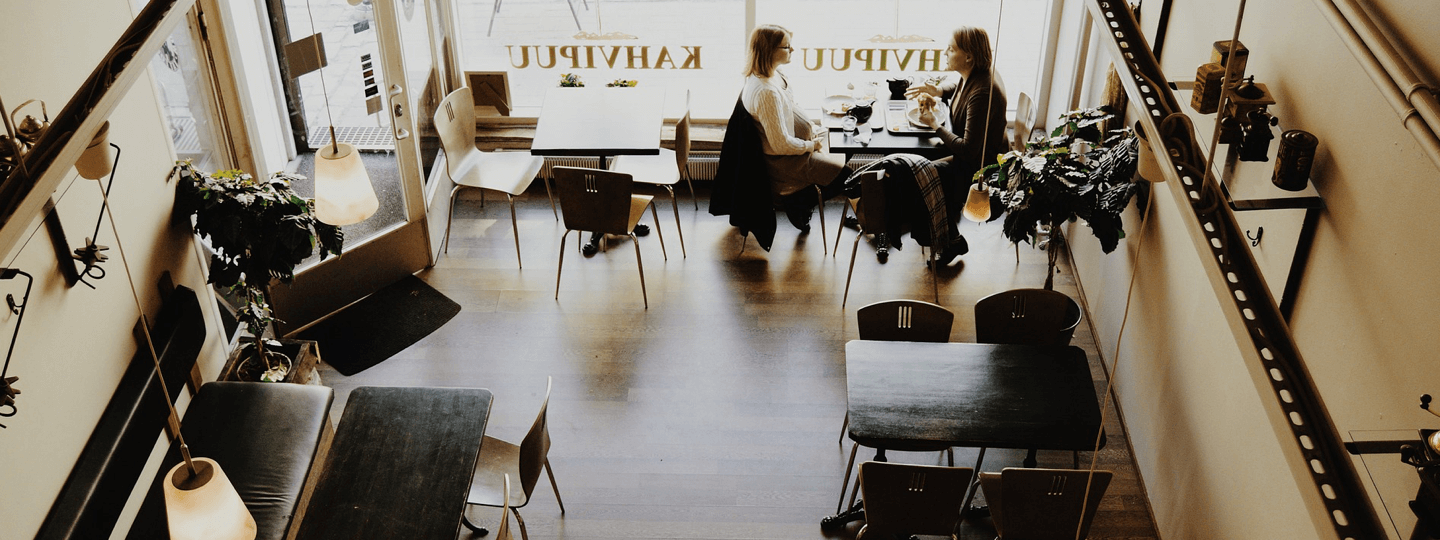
699	45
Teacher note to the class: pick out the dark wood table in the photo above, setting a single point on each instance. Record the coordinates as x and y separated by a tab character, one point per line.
970	394
884	142
400	464
600	122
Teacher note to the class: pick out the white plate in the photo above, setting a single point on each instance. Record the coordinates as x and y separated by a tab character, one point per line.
942	112
837	105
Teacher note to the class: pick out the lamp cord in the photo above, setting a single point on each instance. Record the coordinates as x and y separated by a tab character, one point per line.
145	327
324	90
1114	363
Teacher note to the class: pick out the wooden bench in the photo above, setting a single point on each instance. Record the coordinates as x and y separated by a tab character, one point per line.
268	438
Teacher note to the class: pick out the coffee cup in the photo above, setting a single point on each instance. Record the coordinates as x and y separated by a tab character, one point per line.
862	110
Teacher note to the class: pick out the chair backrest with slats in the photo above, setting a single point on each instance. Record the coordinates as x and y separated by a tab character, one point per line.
911	499
455	122
905	320
535	447
593	199
1023	317
1041	504
1024	118
682	141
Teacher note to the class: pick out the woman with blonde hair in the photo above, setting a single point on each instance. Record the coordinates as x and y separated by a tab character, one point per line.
795	154
977	116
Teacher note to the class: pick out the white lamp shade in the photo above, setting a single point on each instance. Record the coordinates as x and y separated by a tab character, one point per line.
343	194
96	162
212	510
977	204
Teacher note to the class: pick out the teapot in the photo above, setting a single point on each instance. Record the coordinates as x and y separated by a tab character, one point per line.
898	85
862	110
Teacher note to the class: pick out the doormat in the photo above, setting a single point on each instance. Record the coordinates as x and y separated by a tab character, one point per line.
383	324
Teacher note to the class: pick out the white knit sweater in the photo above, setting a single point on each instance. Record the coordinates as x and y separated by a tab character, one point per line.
773	106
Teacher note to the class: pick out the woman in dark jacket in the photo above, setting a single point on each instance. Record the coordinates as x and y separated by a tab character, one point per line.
977	114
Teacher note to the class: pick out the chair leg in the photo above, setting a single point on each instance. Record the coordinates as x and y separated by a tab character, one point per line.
853	248
552	198
551	473
692	192
974	484
655	217
844	427
824	242
840	505
854	490
676	206
844	211
641	265
450	219
523	535
561	266
934	276
515	225
571	3
494	11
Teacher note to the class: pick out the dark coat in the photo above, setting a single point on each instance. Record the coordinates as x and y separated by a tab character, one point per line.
742	186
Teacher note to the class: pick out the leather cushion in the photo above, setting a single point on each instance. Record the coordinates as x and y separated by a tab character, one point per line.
263	435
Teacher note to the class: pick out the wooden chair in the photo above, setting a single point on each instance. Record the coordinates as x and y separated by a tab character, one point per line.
507	172
500	460
665	169
1025	317
600	201
872	219
903	499
898	320
1041	504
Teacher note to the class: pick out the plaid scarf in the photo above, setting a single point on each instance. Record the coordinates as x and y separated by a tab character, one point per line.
927	179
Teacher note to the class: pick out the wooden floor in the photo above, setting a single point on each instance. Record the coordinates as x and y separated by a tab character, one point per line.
715	413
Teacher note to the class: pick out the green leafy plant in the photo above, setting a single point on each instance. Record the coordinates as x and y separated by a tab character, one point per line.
258	231
1076	172
623	83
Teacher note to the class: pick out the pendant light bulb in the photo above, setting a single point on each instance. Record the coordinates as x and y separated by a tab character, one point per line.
204	504
977	204
343	193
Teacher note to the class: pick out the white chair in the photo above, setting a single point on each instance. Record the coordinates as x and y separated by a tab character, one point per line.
507	172
500	460
1024	117
665	169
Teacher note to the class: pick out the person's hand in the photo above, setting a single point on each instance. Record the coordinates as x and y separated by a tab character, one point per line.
930	119
927	87
820	139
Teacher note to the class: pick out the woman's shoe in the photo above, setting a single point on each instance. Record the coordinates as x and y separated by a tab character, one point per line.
956	248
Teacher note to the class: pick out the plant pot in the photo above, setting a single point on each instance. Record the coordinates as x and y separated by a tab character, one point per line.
303	356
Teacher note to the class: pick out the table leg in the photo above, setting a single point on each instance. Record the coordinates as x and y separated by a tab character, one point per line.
974	486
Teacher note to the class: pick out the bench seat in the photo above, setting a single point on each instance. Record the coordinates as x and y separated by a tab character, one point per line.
267	437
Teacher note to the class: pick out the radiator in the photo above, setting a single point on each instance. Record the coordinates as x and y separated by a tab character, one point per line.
702	164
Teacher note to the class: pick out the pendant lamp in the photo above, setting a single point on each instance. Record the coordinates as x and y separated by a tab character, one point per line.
977	204
200	501
343	193
95	164
205	505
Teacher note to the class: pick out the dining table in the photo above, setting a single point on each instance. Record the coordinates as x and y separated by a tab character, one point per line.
906	395
888	133
400	464
601	122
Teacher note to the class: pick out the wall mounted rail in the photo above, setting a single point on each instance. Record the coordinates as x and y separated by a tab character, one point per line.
1338	501
23	194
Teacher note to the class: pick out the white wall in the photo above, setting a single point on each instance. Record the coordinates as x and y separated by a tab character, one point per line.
77	341
1364	312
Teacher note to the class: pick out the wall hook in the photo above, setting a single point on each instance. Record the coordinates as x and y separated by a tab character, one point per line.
1255	240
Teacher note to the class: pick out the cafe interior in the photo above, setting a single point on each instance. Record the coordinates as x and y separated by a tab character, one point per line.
1223	346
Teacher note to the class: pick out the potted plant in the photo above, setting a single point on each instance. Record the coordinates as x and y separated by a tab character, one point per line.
1077	172
258	232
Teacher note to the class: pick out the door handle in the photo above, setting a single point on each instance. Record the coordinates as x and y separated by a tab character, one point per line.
402	134
395	90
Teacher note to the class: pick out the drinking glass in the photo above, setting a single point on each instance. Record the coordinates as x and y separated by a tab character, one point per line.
848	124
